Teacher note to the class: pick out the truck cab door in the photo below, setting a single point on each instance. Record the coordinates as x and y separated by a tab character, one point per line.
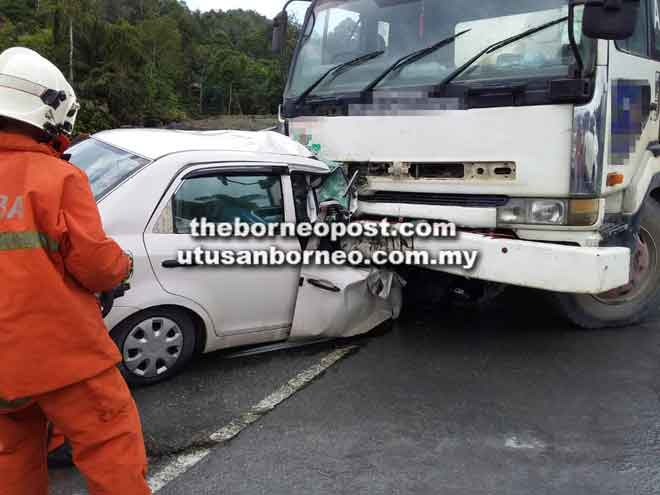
635	85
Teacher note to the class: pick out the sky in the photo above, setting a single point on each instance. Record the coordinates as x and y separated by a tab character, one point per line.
268	8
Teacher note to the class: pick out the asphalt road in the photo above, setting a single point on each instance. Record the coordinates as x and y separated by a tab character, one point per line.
505	400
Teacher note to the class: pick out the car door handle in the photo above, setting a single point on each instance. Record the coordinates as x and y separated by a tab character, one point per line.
324	285
175	264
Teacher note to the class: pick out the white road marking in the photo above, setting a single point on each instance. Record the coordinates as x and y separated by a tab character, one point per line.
182	463
176	467
523	444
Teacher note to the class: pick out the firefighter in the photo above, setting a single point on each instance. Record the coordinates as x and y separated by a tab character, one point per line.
57	361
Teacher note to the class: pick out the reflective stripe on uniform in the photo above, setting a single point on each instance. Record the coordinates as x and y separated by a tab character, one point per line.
10	241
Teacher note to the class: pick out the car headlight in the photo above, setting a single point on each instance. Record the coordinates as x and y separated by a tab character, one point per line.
549	212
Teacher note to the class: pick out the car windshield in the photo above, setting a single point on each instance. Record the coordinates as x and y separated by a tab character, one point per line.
340	30
105	165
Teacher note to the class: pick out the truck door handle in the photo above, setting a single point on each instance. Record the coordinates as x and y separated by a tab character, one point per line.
324	285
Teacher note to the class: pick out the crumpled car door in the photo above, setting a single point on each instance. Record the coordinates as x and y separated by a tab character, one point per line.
344	301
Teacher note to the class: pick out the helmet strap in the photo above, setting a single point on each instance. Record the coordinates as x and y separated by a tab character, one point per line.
60	143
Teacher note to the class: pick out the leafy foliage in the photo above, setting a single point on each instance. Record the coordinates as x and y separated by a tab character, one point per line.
151	62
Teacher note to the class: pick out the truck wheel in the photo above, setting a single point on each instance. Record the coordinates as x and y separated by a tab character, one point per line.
631	303
155	345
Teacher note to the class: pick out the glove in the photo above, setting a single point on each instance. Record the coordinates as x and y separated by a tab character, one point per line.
131	265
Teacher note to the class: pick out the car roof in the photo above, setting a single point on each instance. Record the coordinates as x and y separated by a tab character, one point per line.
156	143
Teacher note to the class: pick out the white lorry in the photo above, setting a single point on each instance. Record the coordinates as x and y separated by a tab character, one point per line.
531	124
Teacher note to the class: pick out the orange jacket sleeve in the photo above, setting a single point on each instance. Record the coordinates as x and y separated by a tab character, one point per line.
94	260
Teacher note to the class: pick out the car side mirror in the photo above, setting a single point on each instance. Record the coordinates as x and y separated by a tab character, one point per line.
609	19
280	29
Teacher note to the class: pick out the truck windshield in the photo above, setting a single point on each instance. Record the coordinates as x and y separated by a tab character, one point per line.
340	30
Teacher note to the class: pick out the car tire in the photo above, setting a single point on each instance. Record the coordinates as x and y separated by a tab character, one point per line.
601	311
155	345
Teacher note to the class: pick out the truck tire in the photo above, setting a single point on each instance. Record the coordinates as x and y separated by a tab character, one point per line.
630	304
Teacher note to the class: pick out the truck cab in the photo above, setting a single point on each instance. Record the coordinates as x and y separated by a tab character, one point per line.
530	124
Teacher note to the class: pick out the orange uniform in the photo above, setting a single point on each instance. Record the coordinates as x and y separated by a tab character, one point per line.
57	361
56	440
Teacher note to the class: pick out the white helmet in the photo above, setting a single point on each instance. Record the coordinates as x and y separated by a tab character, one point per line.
34	91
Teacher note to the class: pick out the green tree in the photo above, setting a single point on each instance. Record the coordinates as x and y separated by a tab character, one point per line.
148	62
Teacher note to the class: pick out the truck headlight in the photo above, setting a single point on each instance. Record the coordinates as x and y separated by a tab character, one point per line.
549	212
515	211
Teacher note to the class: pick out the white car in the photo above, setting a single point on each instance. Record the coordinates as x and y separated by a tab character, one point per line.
150	184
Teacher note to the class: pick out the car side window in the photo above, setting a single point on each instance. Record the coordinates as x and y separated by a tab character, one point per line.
638	43
226	198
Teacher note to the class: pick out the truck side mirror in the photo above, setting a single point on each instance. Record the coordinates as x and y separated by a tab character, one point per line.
609	19
280	28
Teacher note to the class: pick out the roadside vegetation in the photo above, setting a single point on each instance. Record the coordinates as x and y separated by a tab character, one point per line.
152	62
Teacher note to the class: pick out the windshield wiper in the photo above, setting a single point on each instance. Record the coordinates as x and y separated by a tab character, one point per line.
497	46
338	69
410	58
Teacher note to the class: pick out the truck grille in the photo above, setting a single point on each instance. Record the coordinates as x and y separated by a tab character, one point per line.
467	171
463	200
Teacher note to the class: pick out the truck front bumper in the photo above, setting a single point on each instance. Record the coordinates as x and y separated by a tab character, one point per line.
553	267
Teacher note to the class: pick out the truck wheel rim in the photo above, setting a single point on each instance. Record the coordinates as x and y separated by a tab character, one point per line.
643	266
152	347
